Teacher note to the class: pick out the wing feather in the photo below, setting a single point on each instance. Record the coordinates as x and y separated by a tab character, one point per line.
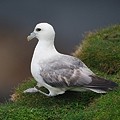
59	73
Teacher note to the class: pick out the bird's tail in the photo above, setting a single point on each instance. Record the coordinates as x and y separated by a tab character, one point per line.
100	85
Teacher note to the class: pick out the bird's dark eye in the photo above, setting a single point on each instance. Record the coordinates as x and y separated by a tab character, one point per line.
38	29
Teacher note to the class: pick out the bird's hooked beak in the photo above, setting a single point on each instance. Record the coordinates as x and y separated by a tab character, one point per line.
31	36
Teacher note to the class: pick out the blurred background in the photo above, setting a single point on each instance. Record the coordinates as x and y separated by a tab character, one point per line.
70	18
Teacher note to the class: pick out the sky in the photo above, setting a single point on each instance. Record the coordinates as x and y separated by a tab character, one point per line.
71	19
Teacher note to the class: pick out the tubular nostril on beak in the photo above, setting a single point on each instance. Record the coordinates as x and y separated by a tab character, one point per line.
31	36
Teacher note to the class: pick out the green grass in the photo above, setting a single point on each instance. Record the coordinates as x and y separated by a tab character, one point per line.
71	105
101	50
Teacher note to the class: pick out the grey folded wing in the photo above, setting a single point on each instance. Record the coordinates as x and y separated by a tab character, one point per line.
64	74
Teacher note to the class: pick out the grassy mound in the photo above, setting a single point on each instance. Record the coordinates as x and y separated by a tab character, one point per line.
71	105
101	50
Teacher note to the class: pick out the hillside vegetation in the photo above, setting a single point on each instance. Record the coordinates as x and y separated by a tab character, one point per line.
101	52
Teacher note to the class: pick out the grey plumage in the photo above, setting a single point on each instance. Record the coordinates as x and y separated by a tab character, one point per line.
101	84
67	72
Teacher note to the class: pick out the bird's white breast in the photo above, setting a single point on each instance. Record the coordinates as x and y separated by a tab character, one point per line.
41	54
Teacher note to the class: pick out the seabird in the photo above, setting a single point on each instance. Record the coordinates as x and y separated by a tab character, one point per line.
59	72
